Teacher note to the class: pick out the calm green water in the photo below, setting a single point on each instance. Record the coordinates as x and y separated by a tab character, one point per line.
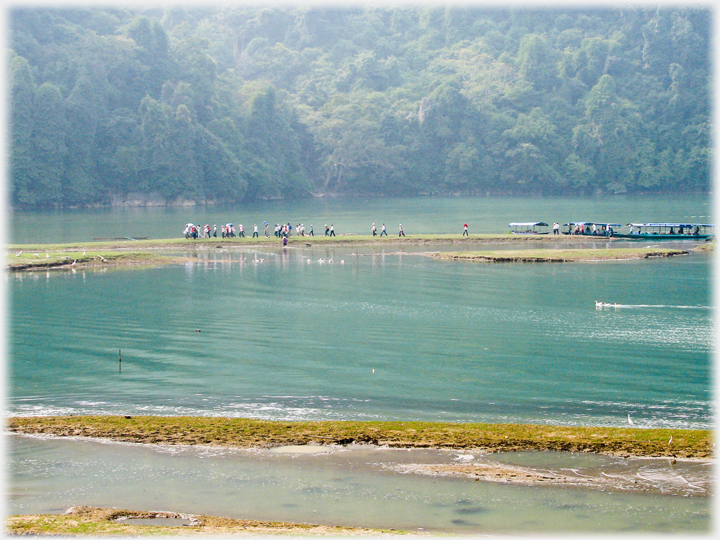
356	215
383	335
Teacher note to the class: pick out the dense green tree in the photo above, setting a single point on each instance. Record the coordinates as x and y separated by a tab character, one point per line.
86	108
22	93
49	149
537	62
238	102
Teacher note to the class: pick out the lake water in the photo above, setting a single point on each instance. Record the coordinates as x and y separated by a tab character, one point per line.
383	336
381	333
356	215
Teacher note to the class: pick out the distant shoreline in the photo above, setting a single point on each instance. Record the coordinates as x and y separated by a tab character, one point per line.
250	433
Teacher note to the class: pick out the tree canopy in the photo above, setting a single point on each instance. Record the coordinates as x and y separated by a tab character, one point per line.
225	104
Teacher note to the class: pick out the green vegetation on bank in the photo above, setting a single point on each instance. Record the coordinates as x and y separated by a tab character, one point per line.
231	103
561	255
91	521
340	239
50	259
246	433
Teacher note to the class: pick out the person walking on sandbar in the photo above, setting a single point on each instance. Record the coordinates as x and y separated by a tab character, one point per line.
255	232
383	230
400	230
374	230
465	230
332	230
311	233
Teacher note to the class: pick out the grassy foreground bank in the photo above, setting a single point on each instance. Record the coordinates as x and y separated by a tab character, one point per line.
92	521
561	255
248	433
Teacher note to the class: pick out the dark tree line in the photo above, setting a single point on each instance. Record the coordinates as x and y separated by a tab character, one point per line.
236	103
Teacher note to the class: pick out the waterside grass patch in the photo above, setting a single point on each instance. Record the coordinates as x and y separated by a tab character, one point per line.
340	239
92	521
251	433
561	255
53	259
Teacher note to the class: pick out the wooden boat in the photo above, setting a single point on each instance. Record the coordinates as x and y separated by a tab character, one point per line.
668	231
528	227
586	228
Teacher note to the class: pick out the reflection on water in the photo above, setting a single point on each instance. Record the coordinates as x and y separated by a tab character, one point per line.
359	486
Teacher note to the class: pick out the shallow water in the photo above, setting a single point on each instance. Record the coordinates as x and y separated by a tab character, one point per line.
354	487
157	522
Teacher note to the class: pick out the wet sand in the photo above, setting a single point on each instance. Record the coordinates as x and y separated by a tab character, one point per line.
667	477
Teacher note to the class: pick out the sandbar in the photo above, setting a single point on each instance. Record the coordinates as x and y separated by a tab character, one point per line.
144	253
252	433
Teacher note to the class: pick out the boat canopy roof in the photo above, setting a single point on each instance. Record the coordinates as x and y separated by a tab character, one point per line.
528	224
593	222
670	225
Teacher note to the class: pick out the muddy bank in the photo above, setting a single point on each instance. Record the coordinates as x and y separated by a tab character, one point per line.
667	477
561	256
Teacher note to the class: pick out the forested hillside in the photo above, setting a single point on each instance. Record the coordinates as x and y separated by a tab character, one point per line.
235	103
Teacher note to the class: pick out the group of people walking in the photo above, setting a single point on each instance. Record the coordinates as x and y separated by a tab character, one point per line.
226	231
282	230
383	230
229	231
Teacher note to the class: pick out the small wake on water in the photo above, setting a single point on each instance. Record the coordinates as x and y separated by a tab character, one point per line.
649	306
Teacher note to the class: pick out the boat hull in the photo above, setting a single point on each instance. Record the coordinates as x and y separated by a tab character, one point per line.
598	235
663	236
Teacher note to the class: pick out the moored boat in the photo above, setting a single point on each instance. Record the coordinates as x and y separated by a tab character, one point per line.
591	228
528	227
668	231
